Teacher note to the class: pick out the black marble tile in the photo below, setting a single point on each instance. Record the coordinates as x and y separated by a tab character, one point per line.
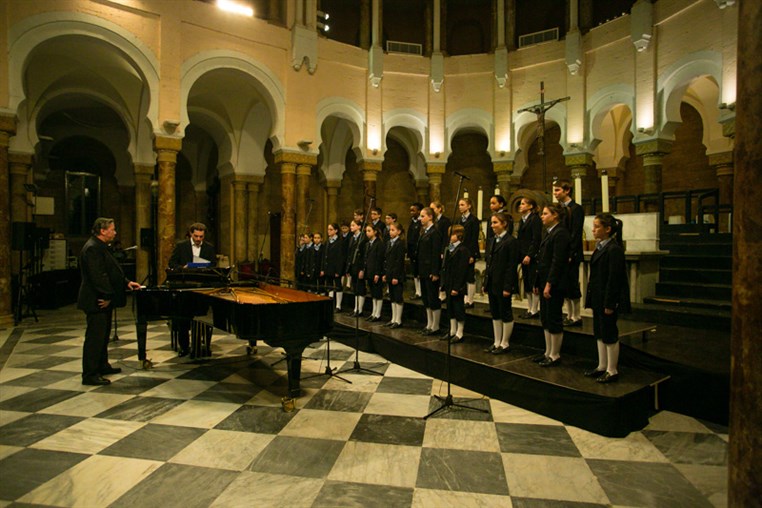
337	355
37	399
298	456
535	439
386	429
462	413
32	428
27	469
154	442
690	447
461	470
49	339
48	350
405	385
131	385
646	484
528	502
236	393
140	409
339	400
42	378
209	373
260	419
368	368
178	485
361	495
59	330
44	362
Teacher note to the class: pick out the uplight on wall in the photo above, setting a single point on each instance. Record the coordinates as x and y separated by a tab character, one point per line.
235	7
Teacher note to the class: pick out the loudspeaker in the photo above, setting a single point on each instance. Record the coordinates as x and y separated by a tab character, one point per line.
146	238
22	235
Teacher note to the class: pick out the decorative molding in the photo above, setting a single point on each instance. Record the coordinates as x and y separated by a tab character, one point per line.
653	147
501	66
642	24
304	48
435	168
294	157
574	51
578	160
505	167
437	71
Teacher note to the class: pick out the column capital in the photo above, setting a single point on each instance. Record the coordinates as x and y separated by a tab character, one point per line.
167	143
20	162
723	163
293	157
502	167
333	184
8	124
435	169
303	170
729	128
653	147
251	180
578	160
369	165
143	170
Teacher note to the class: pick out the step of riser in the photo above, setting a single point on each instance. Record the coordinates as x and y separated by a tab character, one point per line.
700	263
691	320
697	249
695	276
709	293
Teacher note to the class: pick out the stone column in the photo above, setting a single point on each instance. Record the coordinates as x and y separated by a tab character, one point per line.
435	172
240	227
722	163
303	173
19	165
370	171
608	177
166	149
745	433
7	129
422	191
579	164
652	152
365	24
252	243
503	172
143	177
332	186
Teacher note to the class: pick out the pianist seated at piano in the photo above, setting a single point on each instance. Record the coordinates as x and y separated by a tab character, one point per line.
193	252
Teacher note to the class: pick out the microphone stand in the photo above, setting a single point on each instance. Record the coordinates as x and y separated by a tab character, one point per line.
357	367
447	402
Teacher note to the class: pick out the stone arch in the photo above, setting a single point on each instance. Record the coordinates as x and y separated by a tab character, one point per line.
346	110
601	103
525	129
408	127
471	119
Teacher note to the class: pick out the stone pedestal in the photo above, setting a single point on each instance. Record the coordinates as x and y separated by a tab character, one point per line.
7	129
745	445
166	149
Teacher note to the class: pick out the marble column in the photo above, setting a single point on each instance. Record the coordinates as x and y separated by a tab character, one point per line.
579	164
332	187
652	152
435	172
252	242
240	227
143	176
287	220
745	433
422	191
722	163
370	171
166	149
19	166
303	173
503	172
608	178
7	129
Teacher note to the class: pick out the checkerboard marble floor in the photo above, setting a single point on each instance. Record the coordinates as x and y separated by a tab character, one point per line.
213	433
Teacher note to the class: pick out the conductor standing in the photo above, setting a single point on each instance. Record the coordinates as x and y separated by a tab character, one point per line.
102	289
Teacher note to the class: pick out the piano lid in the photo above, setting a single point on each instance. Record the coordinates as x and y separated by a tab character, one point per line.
261	294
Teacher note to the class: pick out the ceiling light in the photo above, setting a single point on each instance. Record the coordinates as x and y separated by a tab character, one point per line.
235	7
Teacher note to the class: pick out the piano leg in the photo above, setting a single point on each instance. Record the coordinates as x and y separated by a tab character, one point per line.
141	329
294	365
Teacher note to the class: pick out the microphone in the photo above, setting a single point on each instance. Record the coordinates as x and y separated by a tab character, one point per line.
130	248
462	176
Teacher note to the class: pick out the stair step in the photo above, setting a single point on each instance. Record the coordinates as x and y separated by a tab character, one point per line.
691	313
686	290
690	303
700	262
701	275
707	249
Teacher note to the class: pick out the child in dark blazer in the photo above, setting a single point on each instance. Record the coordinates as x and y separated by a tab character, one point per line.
608	294
355	265
394	272
455	282
333	265
500	281
471	230
429	259
529	238
374	270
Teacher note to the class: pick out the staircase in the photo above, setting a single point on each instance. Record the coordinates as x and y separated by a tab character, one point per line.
695	279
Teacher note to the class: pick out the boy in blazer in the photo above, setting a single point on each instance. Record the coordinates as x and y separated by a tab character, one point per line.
529	238
471	228
574	222
455	283
394	272
429	265
500	281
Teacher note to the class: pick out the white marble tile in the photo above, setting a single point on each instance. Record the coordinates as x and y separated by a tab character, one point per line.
264	489
367	383
395	370
88	436
197	413
87	404
548	477
432	498
179	389
634	447
224	449
10	391
507	413
319	424
711	481
378	464
439	387
71	366
160	371
7	451
7	417
74	383
398	405
97	481
10	373
461	435
669	421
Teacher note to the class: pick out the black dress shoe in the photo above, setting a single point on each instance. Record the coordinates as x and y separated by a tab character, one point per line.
95	381
594	373
431	332
500	350
387	325
369	318
567	322
456	340
491	348
608	378
110	370
576	323
539	358
526	315
424	331
415	297
394	326
183	352
536	315
549	362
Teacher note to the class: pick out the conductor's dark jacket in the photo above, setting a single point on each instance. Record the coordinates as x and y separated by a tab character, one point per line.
502	258
183	254
608	287
553	261
102	277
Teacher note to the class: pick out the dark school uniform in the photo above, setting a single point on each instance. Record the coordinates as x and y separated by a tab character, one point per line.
471	242
552	267
608	288
413	233
429	264
529	238
574	222
455	278
356	263
374	266
333	264
500	275
442	225
394	268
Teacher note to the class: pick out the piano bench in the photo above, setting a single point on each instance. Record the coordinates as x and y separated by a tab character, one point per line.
201	339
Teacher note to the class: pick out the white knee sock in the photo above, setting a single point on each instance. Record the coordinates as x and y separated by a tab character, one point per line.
459	330
576	310
497	331
602	357
470	292
398	317
453	326
339	298
612	355
361	304
417	281
507	332
568	308
429	319
436	314
377	307
555	345
535	303
547	342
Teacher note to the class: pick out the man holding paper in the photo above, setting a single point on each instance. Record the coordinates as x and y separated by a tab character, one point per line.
195	252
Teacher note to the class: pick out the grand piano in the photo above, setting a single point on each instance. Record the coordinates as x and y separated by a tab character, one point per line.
252	310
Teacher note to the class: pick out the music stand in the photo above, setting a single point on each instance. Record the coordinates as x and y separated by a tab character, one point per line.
447	401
